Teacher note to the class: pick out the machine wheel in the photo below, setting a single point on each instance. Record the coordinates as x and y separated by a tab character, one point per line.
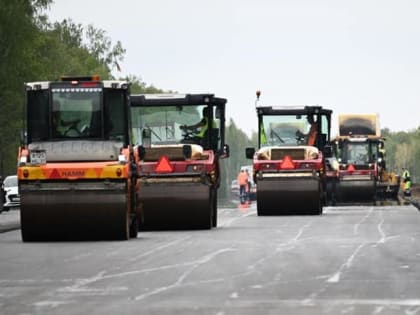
208	217
322	200
25	236
134	227
134	219
127	231
261	212
124	230
320	207
214	206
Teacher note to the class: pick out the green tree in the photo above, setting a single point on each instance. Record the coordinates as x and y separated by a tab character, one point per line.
19	29
403	150
37	50
140	87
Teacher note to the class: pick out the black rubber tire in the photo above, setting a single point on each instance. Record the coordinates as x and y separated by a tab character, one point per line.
260	210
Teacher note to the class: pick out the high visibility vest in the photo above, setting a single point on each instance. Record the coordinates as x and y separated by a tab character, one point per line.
60	129
205	127
242	179
406	177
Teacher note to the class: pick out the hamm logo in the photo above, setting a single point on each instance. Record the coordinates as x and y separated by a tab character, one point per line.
73	173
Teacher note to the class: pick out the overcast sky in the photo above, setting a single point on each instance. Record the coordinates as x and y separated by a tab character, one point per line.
350	56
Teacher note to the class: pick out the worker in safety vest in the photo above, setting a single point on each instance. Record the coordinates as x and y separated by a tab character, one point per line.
407	181
310	137
243	183
201	127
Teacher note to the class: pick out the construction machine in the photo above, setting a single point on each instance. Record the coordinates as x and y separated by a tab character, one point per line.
359	149
289	164
75	162
388	182
180	141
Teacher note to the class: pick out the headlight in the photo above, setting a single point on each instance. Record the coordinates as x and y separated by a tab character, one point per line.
23	160
122	159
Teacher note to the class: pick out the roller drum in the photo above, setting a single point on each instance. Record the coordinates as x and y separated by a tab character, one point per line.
177	205
74	211
356	190
289	196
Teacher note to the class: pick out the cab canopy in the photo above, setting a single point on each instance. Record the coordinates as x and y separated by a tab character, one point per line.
160	119
77	108
290	125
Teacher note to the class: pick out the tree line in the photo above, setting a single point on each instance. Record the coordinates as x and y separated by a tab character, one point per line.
34	49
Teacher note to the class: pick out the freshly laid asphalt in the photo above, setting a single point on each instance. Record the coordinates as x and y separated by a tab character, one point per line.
10	220
350	260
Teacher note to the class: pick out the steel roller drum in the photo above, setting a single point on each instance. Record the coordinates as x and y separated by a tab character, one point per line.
289	196
355	190
74	211
176	205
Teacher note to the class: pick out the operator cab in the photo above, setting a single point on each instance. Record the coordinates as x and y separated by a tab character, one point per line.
75	119
74	108
173	119
285	126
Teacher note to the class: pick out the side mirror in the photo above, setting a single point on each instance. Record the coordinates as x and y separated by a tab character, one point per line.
249	153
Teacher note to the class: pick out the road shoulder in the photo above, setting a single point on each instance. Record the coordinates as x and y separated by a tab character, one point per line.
9	220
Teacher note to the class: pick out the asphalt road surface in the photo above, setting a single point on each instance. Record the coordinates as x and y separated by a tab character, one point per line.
351	260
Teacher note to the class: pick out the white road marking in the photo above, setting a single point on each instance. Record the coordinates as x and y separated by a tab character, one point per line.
205	259
336	276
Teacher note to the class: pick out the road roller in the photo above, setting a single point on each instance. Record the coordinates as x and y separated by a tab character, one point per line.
75	164
289	163
360	152
179	143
